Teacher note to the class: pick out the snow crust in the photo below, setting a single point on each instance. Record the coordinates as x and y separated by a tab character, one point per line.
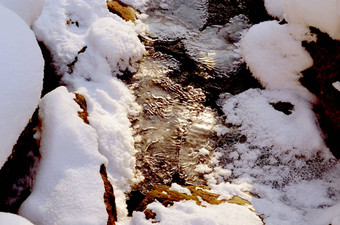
13	219
324	15
28	10
21	75
188	212
68	188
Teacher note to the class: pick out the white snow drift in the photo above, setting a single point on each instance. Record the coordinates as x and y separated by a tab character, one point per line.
68	188
12	219
21	75
324	15
28	10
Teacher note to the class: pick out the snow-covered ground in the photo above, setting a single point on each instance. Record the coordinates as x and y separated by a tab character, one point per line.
283	161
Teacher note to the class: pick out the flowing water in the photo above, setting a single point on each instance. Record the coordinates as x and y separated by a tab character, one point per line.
174	133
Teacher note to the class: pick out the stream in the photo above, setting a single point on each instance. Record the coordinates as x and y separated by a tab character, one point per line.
189	63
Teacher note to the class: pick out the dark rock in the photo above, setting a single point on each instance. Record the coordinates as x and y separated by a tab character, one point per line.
73	63
133	201
285	107
221	11
51	78
319	79
18	172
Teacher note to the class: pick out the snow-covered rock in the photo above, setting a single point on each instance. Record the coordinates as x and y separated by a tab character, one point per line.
28	10
13	219
112	45
275	58
21	76
68	188
324	15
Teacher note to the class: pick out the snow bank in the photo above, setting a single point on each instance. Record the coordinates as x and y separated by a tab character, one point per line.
12	219
324	15
275	58
90	46
28	10
188	212
21	70
68	188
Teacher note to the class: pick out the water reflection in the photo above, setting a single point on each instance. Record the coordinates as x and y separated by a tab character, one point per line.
173	126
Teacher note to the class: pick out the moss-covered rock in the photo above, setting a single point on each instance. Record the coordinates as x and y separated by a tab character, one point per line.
167	197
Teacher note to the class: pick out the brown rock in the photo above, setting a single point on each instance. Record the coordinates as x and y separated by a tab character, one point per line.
109	198
80	100
123	10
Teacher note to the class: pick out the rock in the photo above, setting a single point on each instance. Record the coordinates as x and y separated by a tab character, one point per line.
109	197
80	100
17	174
319	80
285	107
123	10
221	11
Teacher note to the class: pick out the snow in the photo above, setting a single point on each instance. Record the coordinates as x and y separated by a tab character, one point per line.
21	69
180	189
320	14
188	212
13	219
275	8
28	10
110	45
275	58
202	168
137	4
336	85
68	188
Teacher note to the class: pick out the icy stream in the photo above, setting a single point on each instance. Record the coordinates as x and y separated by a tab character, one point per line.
174	134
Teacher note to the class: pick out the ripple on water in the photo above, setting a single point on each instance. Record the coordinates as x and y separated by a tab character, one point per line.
172	127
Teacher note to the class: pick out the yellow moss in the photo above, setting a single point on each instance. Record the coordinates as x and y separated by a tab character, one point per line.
124	11
167	197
